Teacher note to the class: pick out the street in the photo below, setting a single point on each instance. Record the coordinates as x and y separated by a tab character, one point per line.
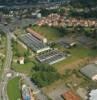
7	68
7	64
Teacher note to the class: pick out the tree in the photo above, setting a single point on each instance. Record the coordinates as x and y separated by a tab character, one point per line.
43	74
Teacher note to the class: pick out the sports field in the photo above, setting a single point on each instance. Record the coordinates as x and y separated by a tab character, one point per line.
13	89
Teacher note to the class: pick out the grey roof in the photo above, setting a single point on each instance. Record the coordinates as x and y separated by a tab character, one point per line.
57	92
51	57
86	41
89	70
93	95
32	42
67	39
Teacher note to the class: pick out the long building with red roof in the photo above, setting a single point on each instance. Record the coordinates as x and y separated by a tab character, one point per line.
37	35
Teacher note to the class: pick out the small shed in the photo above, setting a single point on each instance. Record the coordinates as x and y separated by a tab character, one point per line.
21	60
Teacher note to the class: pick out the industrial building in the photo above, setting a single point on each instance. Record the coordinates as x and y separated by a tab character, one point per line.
51	57
93	95
87	41
26	93
67	42
33	43
90	71
37	35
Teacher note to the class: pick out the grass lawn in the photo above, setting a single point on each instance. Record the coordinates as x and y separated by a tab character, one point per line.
19	49
49	32
22	68
2	54
19	32
77	54
13	89
25	68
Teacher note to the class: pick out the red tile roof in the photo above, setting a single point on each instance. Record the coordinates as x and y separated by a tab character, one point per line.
70	95
35	34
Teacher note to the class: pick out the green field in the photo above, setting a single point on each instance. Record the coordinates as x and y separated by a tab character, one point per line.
77	53
71	64
25	68
19	32
48	32
3	42
18	49
13	89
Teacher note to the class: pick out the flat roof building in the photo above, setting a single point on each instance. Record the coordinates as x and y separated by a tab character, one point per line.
51	57
93	95
33	43
90	71
87	41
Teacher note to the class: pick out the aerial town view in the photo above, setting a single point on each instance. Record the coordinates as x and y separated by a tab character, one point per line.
48	49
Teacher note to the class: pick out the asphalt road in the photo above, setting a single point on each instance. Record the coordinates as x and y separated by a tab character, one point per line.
7	64
39	94
37	91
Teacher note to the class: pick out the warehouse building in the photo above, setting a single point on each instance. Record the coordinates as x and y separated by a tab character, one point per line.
90	71
51	57
87	41
37	35
93	94
33	43
67	42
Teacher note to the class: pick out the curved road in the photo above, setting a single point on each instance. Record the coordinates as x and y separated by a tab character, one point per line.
7	64
37	91
4	79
